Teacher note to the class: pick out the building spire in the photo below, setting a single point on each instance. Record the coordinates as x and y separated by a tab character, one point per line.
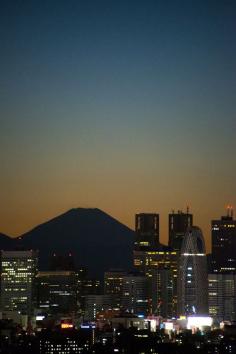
228	210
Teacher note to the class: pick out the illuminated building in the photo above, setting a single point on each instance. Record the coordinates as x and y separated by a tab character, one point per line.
222	296
127	320
18	270
196	323
223	233
163	292
91	287
135	294
113	285
66	340
160	266
57	292
178	224
158	263
146	231
95	304
87	287
192	275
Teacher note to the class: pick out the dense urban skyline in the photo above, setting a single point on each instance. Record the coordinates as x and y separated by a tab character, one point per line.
125	106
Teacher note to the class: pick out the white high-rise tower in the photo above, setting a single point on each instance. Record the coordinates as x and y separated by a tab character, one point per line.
192	274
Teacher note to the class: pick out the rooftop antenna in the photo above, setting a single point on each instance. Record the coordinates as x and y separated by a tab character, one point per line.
187	209
228	210
231	211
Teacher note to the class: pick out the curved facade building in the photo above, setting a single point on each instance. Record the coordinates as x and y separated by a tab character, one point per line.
192	274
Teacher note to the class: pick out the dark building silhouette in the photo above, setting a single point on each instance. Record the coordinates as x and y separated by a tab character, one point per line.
178	224
223	233
62	262
147	231
63	340
57	292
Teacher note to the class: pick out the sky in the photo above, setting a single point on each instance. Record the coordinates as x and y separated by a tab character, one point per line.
126	106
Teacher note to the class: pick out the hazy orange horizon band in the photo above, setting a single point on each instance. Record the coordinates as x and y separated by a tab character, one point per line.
126	218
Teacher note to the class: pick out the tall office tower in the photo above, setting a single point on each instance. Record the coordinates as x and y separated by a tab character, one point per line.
18	270
57	292
192	276
160	266
147	231
223	233
135	294
163	292
81	279
178	224
222	296
113	285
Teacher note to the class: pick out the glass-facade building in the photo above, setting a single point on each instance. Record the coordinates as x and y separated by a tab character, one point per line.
146	231
192	274
222	296
223	234
178	224
18	269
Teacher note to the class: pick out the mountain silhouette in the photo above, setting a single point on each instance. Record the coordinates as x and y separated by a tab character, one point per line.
6	242
96	240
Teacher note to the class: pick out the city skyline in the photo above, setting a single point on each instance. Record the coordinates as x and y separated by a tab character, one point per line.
127	107
229	213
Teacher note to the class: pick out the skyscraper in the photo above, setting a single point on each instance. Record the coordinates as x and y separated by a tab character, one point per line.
163	291
135	294
147	231
223	234
113	285
17	280
160	267
158	263
222	296
192	274
178	224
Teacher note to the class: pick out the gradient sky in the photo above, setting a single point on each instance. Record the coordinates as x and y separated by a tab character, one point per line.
128	106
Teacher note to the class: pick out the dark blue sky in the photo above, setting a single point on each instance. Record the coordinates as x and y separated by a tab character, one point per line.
103	102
